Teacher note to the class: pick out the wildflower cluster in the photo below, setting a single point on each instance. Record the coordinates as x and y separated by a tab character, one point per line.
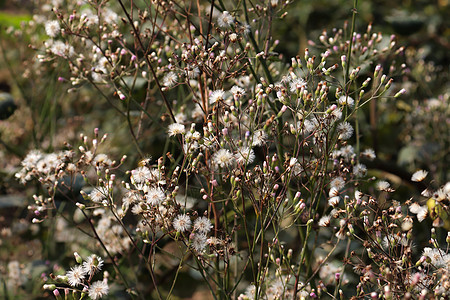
261	186
79	280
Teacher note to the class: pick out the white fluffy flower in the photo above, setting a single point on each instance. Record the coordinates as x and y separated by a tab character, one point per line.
345	130
98	194
420	211
359	170
346	100
76	275
202	225
170	79
334	201
338	183
419	175
155	196
223	158
98	289
369	154
176	128
182	223
245	155
225	19
325	221
306	127
297	85
383	185
216	96
141	175
437	256
61	49
199	242
52	28
93	264
347	152
237	91
259	138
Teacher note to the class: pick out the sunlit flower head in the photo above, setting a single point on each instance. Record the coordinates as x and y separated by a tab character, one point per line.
259	138
337	183
369	154
175	129
216	96
345	130
76	275
225	19
155	196
245	155
419	175
420	211
199	242
346	100
170	79
52	28
383	185
93	264
98	289
202	225
99	194
182	223
325	221
223	158
359	170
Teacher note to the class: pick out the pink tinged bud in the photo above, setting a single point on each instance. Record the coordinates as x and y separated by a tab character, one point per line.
278	261
283	109
377	70
337	276
297	195
214	183
78	257
331	109
277	169
401	92
205	197
374	295
123	52
313	295
133	57
225	131
121	96
275	187
56	293
61	79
